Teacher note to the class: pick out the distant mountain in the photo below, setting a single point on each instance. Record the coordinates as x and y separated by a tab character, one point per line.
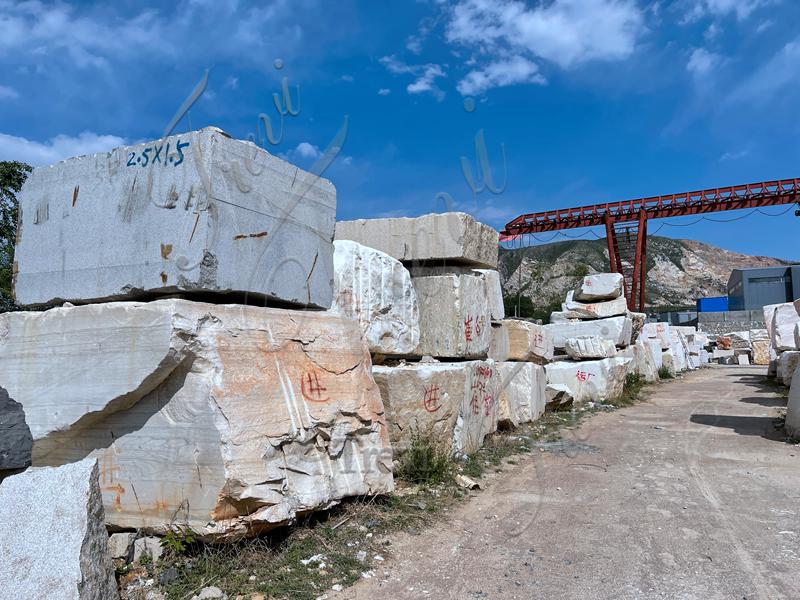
678	271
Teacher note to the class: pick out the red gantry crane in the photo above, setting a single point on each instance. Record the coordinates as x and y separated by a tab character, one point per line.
626	222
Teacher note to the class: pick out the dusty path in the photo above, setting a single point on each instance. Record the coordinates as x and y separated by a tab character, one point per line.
689	495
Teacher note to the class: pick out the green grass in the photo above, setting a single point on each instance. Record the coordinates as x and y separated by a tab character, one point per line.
427	460
664	373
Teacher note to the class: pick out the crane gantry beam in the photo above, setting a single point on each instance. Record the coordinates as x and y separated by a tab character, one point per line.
626	221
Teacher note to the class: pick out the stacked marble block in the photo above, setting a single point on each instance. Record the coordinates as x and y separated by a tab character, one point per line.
783	326
451	380
204	407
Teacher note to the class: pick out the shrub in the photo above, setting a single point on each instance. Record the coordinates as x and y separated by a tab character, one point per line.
427	460
664	372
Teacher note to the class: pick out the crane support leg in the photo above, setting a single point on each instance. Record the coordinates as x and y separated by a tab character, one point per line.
636	297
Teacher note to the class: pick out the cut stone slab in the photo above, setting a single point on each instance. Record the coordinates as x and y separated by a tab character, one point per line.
560	316
55	549
375	290
494	293
743	359
590	381
453	237
784	320
599	286
720	353
16	442
120	545
453	402
787	364
197	212
659	331
616	329
643	361
769	312
761	352
528	341
269	414
499	345
454	316
522	395
558	396
637	325
589	347
595	310
793	407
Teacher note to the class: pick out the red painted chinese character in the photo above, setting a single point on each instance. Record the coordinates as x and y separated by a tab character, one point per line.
468	328
479	324
581	376
487	404
311	388
431	399
474	404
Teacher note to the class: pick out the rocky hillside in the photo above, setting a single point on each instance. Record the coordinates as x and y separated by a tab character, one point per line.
678	271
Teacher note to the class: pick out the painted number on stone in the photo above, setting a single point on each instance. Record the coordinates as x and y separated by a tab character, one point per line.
158	154
311	388
430	398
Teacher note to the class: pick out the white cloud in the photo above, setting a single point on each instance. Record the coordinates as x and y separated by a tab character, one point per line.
701	62
500	73
741	9
733	155
308	151
772	78
347	78
8	93
426	75
232	83
57	148
565	32
384	92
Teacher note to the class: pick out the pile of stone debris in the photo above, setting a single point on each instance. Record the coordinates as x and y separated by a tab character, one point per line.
217	363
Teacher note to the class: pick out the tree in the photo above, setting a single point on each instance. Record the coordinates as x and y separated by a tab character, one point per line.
12	176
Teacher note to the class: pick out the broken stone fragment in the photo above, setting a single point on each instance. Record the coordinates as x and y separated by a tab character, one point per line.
558	396
55	549
593	380
453	237
454	316
16	442
637	325
616	329
528	341
455	403
599	286
522	392
761	352
375	290
196	212
120	545
266	414
595	310
587	347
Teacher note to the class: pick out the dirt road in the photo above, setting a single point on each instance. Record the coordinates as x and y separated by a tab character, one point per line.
692	494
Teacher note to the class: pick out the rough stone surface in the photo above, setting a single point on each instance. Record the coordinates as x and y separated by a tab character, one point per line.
454	402
787	364
269	413
793	407
769	312
499	345
637	325
596	380
211	214
375	290
595	310
660	332
584	347
743	359
53	542
784	320
522	392
761	352
558	397
453	237
528	341
668	361
797	335
599	286
454	316
121	544
616	329
16	442
643	361
494	293
149	546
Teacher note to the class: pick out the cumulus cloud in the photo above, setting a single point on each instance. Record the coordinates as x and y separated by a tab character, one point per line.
384	92
426	75
500	73
57	148
741	9
701	62
308	151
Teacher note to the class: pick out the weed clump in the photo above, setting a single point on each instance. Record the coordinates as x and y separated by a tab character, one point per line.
426	461
664	372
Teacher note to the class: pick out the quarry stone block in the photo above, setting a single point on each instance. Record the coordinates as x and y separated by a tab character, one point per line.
558	396
453	237
616	329
528	341
452	402
660	332
454	316
197	212
589	347
599	286
262	414
57	547
784	321
668	361
594	310
787	364
499	345
522	392
494	292
16	442
375	290
761	352
769	313
643	361
590	381
793	407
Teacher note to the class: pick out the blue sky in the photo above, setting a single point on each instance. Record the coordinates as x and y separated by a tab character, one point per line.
591	100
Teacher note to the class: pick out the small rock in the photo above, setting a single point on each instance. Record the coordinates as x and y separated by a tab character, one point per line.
209	592
312	559
154	595
368	574
337	588
361	555
150	546
251	578
119	545
168	576
379	558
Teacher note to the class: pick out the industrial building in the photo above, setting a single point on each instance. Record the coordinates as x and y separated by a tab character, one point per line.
751	289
